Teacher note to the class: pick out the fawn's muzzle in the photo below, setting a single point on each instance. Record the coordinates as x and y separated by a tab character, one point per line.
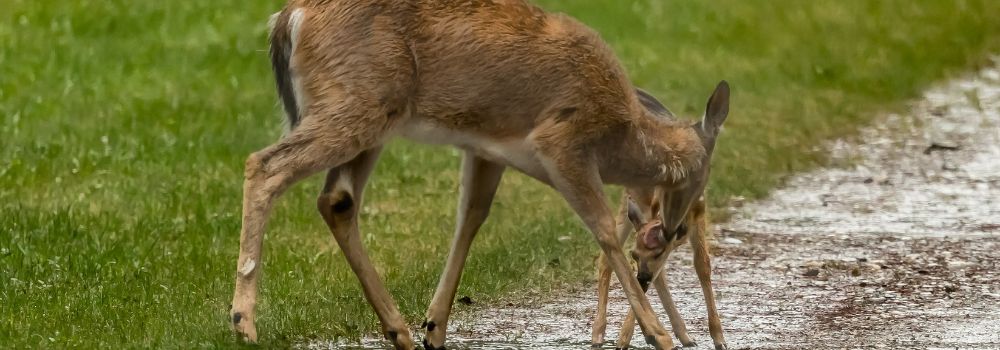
644	278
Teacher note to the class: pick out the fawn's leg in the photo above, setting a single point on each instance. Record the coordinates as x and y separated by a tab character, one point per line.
627	330
676	321
269	173
604	277
480	179
703	267
601	317
340	204
577	178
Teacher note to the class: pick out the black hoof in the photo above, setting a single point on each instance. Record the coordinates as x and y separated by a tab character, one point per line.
622	348
428	346
678	347
721	347
691	345
596	345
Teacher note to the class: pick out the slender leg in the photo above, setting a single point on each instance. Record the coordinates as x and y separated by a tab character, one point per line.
339	205
660	282
604	278
579	181
626	332
268	173
601	317
676	321
703	267
480	179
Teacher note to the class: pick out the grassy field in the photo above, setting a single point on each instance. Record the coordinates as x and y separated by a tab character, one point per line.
125	125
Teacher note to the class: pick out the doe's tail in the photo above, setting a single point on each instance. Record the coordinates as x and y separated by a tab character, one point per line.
281	54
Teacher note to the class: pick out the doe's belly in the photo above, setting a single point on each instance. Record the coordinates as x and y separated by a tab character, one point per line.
515	152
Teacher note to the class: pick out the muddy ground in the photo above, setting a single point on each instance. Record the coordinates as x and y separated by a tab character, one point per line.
900	249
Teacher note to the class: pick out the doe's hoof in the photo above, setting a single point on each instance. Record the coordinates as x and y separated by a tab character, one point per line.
721	347
428	346
691	345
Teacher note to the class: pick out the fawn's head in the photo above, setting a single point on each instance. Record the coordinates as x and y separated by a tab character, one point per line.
657	237
650	252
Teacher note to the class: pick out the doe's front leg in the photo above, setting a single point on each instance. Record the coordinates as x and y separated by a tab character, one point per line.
624	227
579	181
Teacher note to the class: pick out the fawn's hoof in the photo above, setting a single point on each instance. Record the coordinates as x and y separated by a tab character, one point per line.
691	344
721	347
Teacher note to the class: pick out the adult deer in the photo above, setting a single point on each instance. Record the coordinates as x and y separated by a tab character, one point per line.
511	85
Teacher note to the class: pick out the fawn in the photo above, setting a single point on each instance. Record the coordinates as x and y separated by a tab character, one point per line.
650	254
506	82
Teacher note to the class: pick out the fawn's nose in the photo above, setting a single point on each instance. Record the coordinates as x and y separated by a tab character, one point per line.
644	278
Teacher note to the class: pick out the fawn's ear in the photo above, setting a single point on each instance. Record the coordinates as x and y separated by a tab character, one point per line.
717	109
653	238
635	215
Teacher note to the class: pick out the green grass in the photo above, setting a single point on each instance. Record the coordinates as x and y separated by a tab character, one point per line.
125	125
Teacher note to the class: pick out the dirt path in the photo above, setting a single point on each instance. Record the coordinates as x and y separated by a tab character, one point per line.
901	250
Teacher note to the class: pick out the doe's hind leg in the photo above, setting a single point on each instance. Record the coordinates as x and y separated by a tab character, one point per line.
318	143
339	204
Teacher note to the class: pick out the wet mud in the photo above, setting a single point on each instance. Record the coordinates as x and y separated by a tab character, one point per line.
897	248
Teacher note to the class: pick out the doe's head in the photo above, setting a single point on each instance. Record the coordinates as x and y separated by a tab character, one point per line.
675	200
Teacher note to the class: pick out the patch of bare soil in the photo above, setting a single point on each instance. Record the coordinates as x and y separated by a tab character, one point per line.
899	250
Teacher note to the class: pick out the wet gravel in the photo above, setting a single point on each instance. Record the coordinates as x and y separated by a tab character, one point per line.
899	248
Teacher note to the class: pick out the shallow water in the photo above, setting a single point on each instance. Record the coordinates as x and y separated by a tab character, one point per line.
900	250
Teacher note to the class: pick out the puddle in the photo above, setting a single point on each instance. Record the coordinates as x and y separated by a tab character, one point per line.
900	250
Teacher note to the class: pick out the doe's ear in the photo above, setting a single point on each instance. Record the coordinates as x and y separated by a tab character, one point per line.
717	109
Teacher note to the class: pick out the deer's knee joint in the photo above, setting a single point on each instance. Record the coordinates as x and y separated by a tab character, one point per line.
254	165
335	204
343	205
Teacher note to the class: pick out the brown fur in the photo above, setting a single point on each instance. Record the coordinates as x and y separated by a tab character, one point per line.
503	80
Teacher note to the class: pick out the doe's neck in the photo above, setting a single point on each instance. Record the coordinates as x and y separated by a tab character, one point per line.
659	151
